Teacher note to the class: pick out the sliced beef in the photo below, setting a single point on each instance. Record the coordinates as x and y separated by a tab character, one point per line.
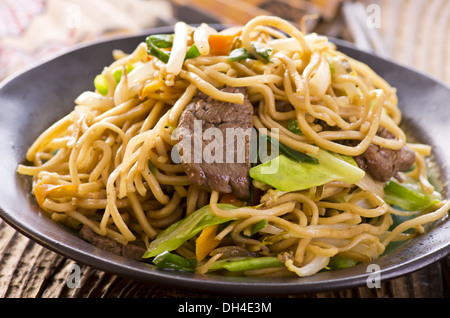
283	106
216	172
133	250
382	163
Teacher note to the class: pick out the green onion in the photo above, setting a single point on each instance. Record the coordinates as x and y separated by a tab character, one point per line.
192	52
242	53
264	52
163	41
246	263
332	69
117	72
101	84
293	127
166	260
340	262
154	42
258	227
151	167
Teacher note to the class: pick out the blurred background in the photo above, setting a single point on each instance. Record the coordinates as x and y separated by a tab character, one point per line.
412	32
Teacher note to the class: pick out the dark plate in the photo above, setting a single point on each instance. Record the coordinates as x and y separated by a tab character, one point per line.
33	100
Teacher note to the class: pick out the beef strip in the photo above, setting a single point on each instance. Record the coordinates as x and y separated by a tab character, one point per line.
218	174
133	250
283	106
382	163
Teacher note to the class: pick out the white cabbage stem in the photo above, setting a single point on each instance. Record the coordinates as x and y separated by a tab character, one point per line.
178	52
201	36
320	79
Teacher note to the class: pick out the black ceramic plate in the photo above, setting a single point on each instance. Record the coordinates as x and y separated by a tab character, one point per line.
36	98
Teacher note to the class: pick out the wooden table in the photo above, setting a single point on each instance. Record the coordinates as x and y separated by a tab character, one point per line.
28	270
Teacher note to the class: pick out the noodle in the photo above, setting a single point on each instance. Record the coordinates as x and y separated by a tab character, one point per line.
109	165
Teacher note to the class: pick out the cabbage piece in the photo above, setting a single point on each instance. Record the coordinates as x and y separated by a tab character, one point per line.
289	175
320	80
409	196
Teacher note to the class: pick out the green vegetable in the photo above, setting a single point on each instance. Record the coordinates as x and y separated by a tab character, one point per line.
178	233
332	69
117	72
293	127
152	169
101	84
289	175
192	52
290	153
409	197
258	227
162	41
166	260
242	53
155	42
246	263
340	262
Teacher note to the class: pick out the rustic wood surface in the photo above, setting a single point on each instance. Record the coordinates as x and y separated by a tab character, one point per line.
28	270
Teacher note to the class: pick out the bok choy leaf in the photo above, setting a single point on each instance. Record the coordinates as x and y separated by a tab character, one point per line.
178	233
409	197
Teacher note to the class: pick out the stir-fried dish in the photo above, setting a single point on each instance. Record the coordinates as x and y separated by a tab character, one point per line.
254	150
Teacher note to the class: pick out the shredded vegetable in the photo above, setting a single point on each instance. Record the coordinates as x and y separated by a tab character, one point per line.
178	233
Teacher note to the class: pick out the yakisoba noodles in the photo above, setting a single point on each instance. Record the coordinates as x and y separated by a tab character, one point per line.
108	165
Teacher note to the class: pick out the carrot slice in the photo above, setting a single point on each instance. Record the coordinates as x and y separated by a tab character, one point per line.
220	44
206	242
42	190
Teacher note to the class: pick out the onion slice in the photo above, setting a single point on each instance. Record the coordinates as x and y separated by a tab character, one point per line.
178	52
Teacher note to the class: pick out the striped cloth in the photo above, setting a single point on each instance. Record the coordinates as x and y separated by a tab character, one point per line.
33	30
417	34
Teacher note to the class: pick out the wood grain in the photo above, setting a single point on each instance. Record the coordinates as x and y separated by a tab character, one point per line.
28	270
